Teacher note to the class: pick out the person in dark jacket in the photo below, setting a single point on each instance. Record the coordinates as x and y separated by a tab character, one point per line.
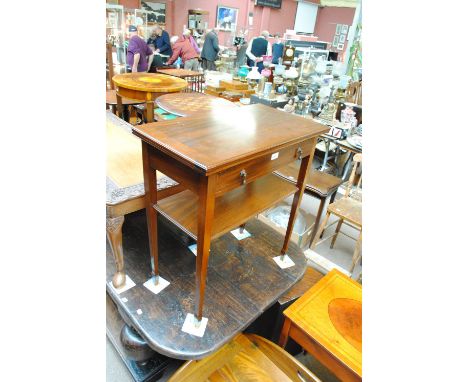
162	42
277	49
210	50
258	47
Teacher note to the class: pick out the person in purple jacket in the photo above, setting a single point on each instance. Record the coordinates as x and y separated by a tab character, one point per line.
139	54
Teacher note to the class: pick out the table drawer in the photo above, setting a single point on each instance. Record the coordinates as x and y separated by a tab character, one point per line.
258	167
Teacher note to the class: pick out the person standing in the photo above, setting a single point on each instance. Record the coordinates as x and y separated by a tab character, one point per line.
258	47
188	34
277	49
162	42
210	50
181	47
139	55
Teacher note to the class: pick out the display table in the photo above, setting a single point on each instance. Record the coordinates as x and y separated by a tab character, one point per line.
125	192
190	104
145	87
225	161
243	282
327	322
194	79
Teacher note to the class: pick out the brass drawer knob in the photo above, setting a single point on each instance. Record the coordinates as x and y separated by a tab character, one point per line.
299	154
243	175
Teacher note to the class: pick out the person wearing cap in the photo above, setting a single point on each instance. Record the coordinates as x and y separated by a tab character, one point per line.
139	54
181	47
257	48
210	50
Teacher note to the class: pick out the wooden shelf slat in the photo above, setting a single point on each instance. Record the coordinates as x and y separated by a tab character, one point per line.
231	209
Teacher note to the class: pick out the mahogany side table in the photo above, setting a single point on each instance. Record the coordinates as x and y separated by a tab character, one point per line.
327	322
225	162
145	87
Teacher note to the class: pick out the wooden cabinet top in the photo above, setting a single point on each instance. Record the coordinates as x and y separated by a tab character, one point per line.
150	82
224	137
331	313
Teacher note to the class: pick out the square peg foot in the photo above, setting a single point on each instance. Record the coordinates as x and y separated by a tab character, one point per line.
284	261
241	235
126	286
154	286
193	326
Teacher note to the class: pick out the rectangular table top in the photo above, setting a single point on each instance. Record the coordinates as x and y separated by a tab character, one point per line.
221	138
331	313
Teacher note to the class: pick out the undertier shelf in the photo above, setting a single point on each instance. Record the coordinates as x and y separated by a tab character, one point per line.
231	209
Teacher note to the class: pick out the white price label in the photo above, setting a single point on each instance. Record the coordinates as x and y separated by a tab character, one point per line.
274	156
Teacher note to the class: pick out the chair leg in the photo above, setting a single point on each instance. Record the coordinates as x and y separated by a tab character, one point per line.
319	232
337	231
357	252
317	219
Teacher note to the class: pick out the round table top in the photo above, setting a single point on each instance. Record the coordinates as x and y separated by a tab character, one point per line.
111	99
188	104
150	82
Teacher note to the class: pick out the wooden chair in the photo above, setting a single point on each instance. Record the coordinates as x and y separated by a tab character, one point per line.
247	357
319	185
349	211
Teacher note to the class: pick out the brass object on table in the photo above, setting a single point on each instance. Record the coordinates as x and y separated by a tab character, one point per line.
328	112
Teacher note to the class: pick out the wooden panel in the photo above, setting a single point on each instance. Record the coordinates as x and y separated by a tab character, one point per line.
189	104
247	358
233	85
311	315
182	208
256	168
223	138
243	280
111	99
149	82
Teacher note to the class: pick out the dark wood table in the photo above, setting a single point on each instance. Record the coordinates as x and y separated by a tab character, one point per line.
194	79
145	87
226	162
243	282
190	104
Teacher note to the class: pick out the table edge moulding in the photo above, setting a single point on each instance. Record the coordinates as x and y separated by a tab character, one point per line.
226	161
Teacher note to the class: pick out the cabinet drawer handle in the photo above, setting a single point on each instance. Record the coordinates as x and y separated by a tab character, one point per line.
243	175
299	154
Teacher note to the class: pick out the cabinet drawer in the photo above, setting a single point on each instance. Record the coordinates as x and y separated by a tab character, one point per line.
255	168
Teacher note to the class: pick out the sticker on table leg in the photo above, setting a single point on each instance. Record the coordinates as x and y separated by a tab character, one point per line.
193	248
284	263
193	326
139	312
240	235
128	284
156	287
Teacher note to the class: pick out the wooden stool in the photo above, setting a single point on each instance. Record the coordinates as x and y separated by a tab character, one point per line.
247	357
318	184
327	322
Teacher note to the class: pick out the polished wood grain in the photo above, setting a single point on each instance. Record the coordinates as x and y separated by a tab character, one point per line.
242	282
111	99
149	82
210	155
145	87
246	358
327	322
181	209
190	104
222	138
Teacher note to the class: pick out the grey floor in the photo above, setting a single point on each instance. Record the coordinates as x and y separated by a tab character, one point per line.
340	255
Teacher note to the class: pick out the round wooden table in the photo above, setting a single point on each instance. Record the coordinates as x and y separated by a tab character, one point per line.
189	104
145	87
